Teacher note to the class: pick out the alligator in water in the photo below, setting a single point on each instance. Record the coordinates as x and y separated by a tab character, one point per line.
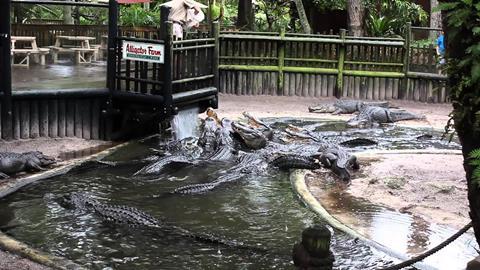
370	116
253	138
183	151
12	163
208	137
225	146
337	159
257	163
136	218
346	106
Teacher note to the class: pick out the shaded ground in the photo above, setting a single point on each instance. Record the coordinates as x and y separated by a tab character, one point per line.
430	185
10	261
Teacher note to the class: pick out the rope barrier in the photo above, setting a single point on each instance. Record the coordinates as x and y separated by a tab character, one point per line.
431	251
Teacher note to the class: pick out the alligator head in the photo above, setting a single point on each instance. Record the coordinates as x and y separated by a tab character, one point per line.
253	138
359	121
42	159
77	200
322	108
207	138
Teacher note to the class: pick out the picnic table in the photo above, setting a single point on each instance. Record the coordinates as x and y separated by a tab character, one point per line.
77	45
30	48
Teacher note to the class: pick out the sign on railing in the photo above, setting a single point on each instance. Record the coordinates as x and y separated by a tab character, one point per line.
141	51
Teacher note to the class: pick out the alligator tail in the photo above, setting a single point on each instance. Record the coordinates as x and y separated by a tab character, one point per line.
212	239
295	162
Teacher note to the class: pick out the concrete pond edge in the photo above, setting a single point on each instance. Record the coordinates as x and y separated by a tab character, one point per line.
22	249
299	186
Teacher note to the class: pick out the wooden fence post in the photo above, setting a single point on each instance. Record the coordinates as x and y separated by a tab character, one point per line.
168	109
216	54
341	62
281	62
406	63
6	128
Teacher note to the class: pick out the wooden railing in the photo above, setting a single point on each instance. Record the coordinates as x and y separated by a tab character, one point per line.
189	71
327	65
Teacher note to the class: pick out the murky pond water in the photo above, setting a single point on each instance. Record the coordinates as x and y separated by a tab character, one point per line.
403	233
259	211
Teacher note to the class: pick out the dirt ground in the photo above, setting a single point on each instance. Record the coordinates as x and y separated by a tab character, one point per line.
431	183
10	261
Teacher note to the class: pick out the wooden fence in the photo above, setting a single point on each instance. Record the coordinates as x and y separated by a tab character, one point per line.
56	114
328	65
46	34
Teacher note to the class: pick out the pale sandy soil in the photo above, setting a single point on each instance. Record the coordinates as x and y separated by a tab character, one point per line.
10	261
429	185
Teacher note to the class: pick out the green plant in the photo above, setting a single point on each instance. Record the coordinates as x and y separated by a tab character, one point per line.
475	162
136	15
390	17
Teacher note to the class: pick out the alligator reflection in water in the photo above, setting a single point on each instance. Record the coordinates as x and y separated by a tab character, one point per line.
402	232
262	209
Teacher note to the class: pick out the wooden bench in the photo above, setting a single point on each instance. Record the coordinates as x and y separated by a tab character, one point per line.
81	55
30	49
39	54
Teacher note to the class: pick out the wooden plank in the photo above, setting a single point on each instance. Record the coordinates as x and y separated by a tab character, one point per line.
396	84
78	119
382	86
34	120
53	118
358	81
388	89
16	120
86	119
331	85
43	118
70	118
24	119
62	128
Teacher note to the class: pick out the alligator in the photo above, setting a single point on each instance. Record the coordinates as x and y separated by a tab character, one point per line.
225	146
13	163
370	116
337	159
184	151
136	218
257	163
252	137
346	106
207	139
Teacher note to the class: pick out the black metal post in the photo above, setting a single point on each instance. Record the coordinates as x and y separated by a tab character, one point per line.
168	67
112	44
216	60
5	71
111	64
164	13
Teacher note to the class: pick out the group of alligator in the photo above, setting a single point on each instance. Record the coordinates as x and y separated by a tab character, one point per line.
252	147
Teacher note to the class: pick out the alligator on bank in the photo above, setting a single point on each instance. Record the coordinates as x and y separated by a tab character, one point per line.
346	106
13	163
136	218
369	116
338	159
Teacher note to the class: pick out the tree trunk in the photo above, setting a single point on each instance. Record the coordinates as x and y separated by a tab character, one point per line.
435	19
464	110
356	14
67	15
245	15
303	17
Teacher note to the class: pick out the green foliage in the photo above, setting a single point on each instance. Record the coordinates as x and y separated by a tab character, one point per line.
330	4
272	15
463	63
390	17
136	15
475	162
